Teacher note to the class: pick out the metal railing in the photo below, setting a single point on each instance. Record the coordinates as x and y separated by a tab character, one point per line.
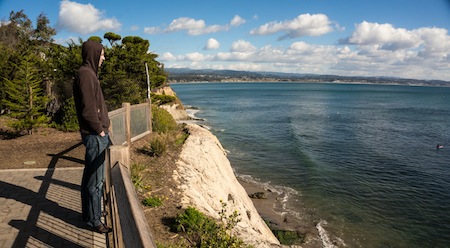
125	213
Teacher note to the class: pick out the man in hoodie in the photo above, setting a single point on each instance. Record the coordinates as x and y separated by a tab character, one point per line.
94	123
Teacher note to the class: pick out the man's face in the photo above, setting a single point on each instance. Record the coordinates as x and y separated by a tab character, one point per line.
102	58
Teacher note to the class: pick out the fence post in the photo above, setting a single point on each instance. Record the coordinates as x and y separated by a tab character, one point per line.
127	107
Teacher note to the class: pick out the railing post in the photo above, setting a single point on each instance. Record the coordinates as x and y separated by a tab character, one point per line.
127	107
121	154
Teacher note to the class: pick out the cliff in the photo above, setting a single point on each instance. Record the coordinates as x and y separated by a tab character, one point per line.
205	177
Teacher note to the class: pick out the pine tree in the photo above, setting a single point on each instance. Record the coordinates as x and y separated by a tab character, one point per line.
25	97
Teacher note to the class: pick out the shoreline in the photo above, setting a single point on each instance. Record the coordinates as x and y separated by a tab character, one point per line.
322	82
276	217
267	207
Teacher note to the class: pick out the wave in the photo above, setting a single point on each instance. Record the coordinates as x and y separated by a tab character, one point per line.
326	242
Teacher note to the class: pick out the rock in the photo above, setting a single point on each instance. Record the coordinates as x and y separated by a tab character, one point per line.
258	195
177	111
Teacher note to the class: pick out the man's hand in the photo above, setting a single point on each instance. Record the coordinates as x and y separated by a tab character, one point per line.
102	134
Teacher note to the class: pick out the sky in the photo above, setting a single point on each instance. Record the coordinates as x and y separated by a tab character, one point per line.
393	38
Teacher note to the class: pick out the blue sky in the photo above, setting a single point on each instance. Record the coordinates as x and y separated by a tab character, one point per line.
400	38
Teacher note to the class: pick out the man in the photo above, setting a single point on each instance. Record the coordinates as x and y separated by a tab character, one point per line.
94	123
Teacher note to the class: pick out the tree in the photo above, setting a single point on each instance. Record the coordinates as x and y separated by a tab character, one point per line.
112	37
96	38
27	52
64	62
123	90
123	74
6	70
43	32
23	25
15	33
25	97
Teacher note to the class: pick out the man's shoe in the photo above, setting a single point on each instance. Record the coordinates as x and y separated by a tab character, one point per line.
102	229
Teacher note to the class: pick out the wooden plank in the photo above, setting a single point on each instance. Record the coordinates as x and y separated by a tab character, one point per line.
134	225
140	105
116	112
117	230
140	136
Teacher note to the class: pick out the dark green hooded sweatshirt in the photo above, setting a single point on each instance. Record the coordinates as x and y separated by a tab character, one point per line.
89	101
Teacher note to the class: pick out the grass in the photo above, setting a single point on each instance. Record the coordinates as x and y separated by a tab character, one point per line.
153	201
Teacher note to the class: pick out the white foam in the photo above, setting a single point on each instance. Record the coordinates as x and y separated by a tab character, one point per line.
286	194
191	112
326	242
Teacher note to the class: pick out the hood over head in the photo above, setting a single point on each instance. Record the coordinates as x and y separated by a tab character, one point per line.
91	51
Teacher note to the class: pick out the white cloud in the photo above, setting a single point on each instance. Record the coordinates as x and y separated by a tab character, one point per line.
242	46
195	27
168	57
302	57
192	26
302	25
152	30
372	50
384	35
185	23
427	45
84	18
134	28
237	21
212	44
436	43
195	57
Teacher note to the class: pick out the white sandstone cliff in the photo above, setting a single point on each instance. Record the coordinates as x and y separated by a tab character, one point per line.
206	177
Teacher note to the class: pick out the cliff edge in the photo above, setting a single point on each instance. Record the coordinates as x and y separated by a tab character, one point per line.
206	178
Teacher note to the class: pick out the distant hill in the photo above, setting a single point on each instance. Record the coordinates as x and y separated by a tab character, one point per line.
184	75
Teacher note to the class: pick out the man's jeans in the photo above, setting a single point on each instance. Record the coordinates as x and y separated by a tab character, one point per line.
93	178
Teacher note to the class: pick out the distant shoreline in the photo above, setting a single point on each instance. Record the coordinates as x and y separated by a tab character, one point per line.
184	75
307	82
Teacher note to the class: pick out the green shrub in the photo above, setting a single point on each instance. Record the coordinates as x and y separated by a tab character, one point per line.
181	138
287	237
156	148
203	231
66	118
159	99
152	201
196	225
157	81
162	120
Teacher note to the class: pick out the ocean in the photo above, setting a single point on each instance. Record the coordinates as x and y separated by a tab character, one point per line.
358	162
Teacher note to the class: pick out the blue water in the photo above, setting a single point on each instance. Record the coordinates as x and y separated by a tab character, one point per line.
363	158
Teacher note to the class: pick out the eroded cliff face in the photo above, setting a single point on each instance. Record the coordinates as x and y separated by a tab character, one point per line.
206	178
165	91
